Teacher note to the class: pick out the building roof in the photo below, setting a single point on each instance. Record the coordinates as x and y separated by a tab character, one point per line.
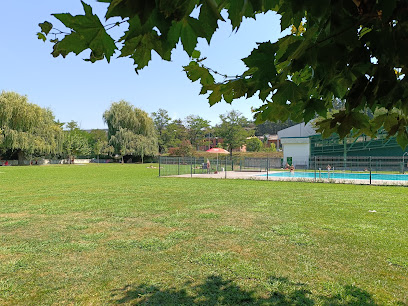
298	130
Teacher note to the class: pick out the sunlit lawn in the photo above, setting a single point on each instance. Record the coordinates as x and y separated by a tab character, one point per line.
100	234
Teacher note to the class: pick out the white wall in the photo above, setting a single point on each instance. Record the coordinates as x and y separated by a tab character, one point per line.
298	149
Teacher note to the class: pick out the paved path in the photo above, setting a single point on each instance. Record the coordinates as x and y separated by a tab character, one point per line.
230	175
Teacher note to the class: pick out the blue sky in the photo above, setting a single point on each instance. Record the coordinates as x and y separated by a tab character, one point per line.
77	90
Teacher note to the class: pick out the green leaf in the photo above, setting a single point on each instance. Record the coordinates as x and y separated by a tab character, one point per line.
41	36
196	72
235	12
215	96
188	35
71	43
209	16
46	27
196	54
313	107
364	31
88	32
141	47
174	33
287	91
212	4
130	8
402	138
263	60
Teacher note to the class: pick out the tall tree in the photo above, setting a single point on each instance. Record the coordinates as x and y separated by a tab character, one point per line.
336	49
27	129
233	130
161	120
130	130
174	134
76	141
197	129
98	141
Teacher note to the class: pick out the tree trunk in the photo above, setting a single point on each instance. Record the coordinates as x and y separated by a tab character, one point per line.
20	155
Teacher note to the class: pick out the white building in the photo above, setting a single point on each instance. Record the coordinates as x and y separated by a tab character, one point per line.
296	144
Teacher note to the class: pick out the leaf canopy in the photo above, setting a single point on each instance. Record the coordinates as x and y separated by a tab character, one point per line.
351	50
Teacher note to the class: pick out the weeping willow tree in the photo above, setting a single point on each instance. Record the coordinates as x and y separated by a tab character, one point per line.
27	129
130	130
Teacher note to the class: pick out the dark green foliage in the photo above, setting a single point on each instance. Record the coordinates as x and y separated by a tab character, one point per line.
174	134
98	142
254	144
161	120
234	129
197	129
350	50
272	128
184	149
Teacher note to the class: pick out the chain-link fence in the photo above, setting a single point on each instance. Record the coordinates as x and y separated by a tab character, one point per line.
360	170
360	163
384	170
252	164
170	165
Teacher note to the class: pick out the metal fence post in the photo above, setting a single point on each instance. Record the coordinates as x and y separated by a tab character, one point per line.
194	165
226	159
178	167
267	168
315	167
159	166
403	162
370	170
191	164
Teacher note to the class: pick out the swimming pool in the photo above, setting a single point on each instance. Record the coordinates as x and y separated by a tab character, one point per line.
344	176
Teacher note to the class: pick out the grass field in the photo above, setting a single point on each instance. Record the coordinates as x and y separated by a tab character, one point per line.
113	234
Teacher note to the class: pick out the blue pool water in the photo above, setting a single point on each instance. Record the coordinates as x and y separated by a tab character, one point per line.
344	176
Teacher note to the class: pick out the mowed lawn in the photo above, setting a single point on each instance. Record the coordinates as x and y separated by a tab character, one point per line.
113	234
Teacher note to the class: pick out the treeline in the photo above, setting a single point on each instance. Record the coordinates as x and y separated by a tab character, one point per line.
29	132
181	137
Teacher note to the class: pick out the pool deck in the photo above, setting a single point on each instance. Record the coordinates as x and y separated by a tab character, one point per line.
261	176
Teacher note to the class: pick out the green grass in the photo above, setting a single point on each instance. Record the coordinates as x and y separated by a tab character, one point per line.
112	234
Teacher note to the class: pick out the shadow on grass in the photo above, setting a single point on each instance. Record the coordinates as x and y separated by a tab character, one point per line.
217	291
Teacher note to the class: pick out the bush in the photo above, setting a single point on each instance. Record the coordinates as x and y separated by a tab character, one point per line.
254	145
185	149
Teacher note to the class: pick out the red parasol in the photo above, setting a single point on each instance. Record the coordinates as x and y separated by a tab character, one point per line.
218	151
